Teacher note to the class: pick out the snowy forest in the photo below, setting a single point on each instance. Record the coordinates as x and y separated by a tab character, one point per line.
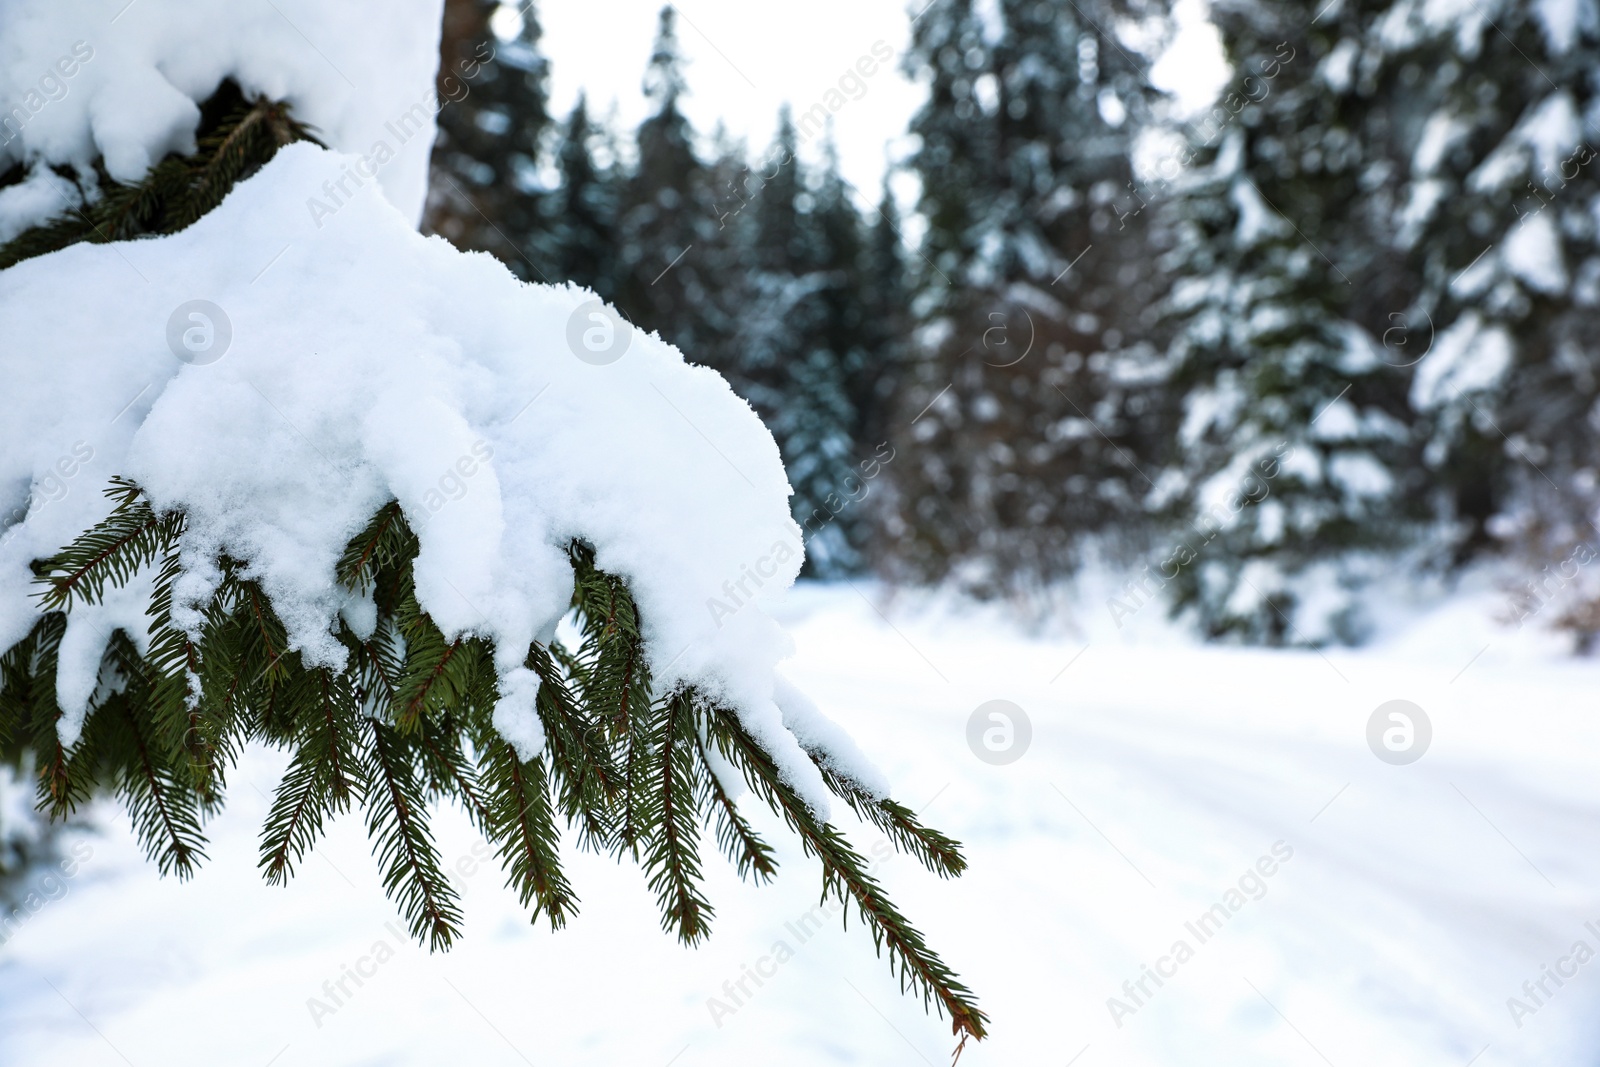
490	575
1334	330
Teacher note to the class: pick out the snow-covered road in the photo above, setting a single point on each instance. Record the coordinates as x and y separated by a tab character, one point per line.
1331	908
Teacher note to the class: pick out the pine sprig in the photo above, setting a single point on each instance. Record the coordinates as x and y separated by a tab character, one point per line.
845	877
385	543
450	772
522	820
113	550
32	716
436	676
588	779
397	822
324	778
618	678
672	849
165	810
935	851
751	856
614	679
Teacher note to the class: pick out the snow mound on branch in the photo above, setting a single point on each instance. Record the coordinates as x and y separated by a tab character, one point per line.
347	361
121	82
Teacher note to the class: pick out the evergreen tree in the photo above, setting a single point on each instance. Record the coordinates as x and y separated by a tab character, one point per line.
583	227
484	192
1293	464
800	343
1505	188
1033	404
884	286
855	352
669	218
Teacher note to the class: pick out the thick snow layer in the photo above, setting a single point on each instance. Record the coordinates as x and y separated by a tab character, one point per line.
1414	905
1441	132
297	358
1466	358
121	80
1560	20
1533	253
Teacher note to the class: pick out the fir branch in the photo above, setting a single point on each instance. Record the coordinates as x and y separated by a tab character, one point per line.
386	542
751	856
615	685
397	823
295	820
237	137
264	642
940	854
844	875
630	772
165	814
523	825
437	675
322	779
191	715
113	550
425	683
28	699
585	772
672	853
449	772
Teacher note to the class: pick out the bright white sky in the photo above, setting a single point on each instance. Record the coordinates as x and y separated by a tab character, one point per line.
746	58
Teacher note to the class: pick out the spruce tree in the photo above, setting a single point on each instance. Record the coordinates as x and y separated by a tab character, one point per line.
884	285
1506	183
484	191
800	341
668	218
1033	409
855	353
584	221
1293	465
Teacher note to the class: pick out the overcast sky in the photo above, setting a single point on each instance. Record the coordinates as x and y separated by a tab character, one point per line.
746	59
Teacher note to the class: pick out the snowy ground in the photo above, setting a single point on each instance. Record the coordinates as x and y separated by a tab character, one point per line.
1417	900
